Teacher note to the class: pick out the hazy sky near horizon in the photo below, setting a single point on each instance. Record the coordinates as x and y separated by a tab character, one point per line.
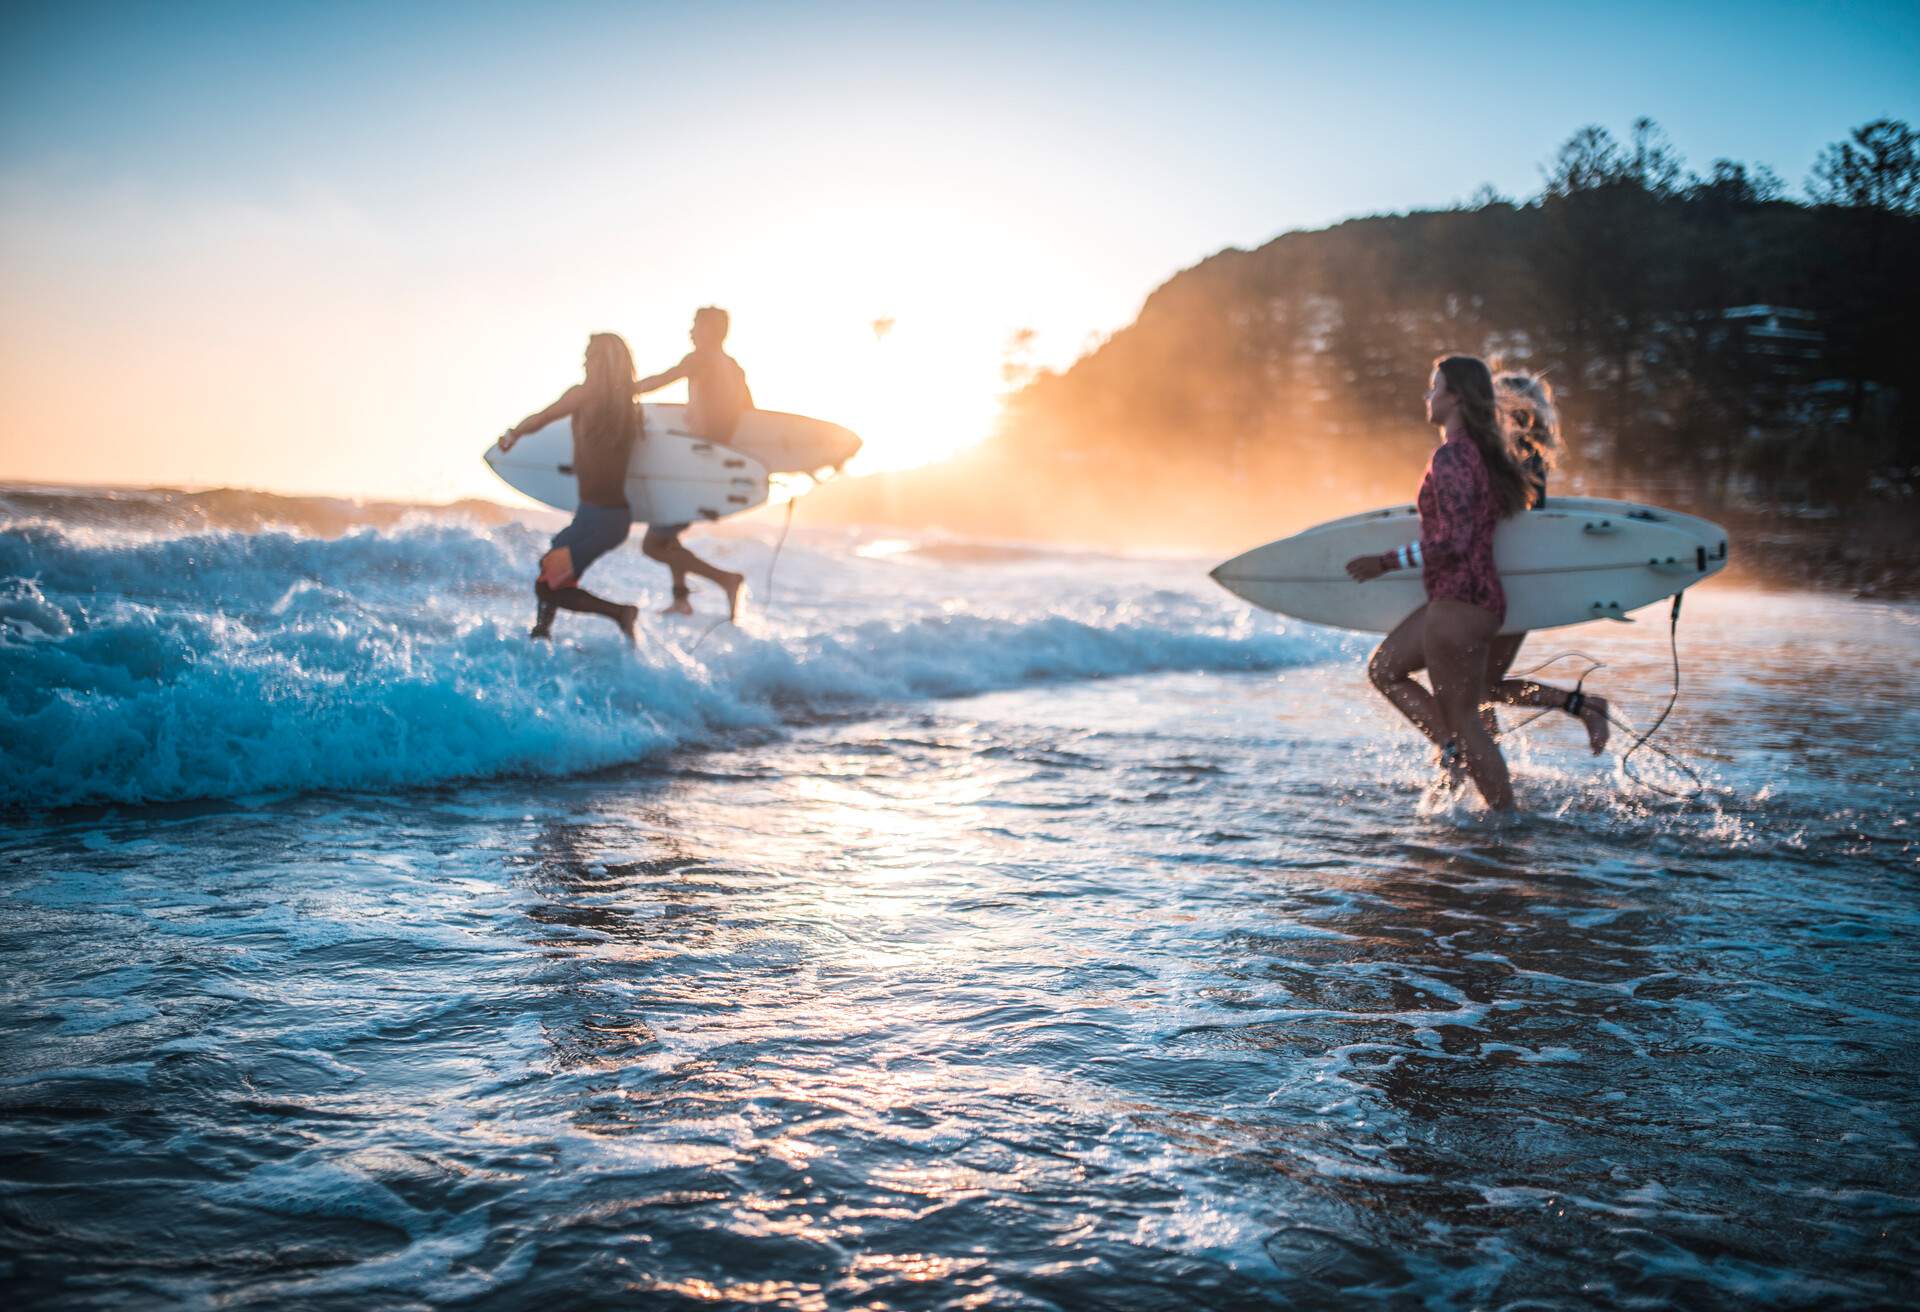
337	247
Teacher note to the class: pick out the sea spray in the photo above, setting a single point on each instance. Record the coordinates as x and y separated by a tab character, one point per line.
146	667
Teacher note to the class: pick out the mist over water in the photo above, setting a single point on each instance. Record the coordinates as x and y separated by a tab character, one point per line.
978	926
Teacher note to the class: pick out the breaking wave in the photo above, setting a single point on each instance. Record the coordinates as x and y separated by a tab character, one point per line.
145	666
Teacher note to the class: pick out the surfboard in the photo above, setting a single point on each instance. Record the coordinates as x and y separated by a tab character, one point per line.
784	443
671	479
1705	529
1573	560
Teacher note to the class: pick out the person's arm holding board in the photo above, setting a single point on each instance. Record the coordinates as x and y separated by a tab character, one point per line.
568	403
1444	534
654	382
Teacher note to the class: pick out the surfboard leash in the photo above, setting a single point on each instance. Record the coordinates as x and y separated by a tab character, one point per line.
779	543
778	546
711	628
1593	663
1640	740
1645	739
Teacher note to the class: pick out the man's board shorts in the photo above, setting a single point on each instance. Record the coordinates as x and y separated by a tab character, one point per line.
661	535
594	532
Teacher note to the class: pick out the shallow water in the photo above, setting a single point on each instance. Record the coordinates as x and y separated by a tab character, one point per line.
976	930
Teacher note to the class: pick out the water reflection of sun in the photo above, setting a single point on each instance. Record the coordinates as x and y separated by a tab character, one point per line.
907	841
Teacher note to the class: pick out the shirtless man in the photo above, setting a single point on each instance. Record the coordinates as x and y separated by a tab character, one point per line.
717	396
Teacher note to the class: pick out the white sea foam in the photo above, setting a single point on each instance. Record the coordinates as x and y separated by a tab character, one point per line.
154	665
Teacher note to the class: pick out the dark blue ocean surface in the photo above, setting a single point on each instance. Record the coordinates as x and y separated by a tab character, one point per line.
1004	932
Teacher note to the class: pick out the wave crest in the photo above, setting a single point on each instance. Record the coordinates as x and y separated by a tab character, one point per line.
216	664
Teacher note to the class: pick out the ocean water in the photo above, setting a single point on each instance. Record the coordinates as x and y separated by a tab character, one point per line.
974	927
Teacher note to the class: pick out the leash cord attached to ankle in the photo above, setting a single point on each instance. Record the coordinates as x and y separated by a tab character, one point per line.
1593	663
1576	700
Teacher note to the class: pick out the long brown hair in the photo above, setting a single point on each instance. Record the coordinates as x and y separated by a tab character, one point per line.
1471	383
607	411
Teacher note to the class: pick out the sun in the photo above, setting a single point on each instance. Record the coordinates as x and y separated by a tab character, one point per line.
894	322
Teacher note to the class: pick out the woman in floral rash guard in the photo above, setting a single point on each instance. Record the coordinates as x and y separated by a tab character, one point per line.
1472	483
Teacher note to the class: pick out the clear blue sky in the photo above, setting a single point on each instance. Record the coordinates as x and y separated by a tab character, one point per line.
412	214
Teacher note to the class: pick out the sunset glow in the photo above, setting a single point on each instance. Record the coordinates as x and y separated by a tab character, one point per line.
207	280
1123	735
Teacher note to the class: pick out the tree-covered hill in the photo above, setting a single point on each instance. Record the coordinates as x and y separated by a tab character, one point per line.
1712	343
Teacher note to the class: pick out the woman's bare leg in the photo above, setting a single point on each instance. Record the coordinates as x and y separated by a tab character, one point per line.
1458	641
1525	692
1401	653
1500	658
1592	712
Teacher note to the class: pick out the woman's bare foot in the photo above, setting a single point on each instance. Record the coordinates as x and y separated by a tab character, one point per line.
1593	714
626	619
1453	767
736	585
680	606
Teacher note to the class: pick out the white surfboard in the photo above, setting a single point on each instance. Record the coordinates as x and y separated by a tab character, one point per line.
1705	529
671	478
1573	560
784	443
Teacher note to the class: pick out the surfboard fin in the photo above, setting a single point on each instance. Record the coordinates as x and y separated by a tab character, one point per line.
1674	565
1610	610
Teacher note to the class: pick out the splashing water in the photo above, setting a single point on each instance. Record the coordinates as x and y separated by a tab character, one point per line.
979	927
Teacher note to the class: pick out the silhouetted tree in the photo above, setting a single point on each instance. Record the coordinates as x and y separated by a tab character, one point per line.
1866	262
1295	370
1878	168
1732	183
